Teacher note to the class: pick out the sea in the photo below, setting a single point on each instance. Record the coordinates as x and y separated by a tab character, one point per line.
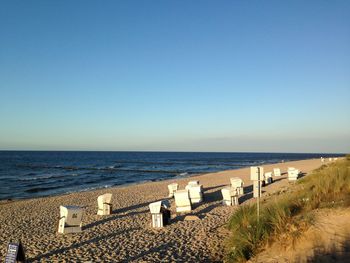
29	174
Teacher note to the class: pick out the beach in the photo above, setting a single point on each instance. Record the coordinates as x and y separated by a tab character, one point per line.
126	235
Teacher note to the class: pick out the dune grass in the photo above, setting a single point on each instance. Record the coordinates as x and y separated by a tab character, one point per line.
286	216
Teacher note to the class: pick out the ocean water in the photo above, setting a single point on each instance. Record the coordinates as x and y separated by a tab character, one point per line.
26	174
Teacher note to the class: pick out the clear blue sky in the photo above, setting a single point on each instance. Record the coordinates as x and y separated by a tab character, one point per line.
175	75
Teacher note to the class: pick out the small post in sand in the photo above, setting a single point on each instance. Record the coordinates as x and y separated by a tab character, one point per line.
256	173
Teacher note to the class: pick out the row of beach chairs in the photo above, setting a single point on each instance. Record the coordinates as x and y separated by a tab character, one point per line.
70	216
329	159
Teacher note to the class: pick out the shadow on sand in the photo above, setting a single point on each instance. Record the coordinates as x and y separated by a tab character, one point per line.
122	212
334	254
77	245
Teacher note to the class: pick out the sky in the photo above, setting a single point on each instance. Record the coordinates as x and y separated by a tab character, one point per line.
232	76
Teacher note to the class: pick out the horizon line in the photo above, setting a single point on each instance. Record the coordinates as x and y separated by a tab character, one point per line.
168	151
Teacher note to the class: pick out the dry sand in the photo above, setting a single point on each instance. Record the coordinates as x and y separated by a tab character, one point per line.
126	235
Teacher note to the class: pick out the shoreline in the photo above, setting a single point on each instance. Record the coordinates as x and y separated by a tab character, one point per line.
126	235
179	177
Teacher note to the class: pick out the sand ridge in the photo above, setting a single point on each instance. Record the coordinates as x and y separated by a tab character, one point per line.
126	235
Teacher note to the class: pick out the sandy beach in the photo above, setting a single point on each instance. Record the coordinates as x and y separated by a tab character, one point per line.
126	235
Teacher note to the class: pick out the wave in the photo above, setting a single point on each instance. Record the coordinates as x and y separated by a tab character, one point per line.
162	163
107	168
41	189
89	189
41	177
150	171
68	168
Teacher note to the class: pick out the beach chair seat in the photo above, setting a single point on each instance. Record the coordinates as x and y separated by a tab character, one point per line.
172	189
196	193
160	213
277	172
104	204
237	183
182	201
230	195
70	219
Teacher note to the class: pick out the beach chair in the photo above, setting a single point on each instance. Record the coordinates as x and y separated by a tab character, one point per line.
229	196
160	213
182	201
255	171
292	174
268	178
172	188
276	172
104	204
196	193
237	183
70	219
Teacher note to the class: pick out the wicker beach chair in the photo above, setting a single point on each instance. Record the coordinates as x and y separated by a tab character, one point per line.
268	178
229	195
292	173
104	204
277	172
182	201
70	219
196	193
237	183
172	189
160	213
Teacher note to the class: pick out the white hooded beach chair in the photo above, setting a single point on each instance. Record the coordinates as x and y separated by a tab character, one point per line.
196	193
70	219
229	196
172	189
160	213
182	201
104	204
237	183
255	171
268	178
292	174
277	172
